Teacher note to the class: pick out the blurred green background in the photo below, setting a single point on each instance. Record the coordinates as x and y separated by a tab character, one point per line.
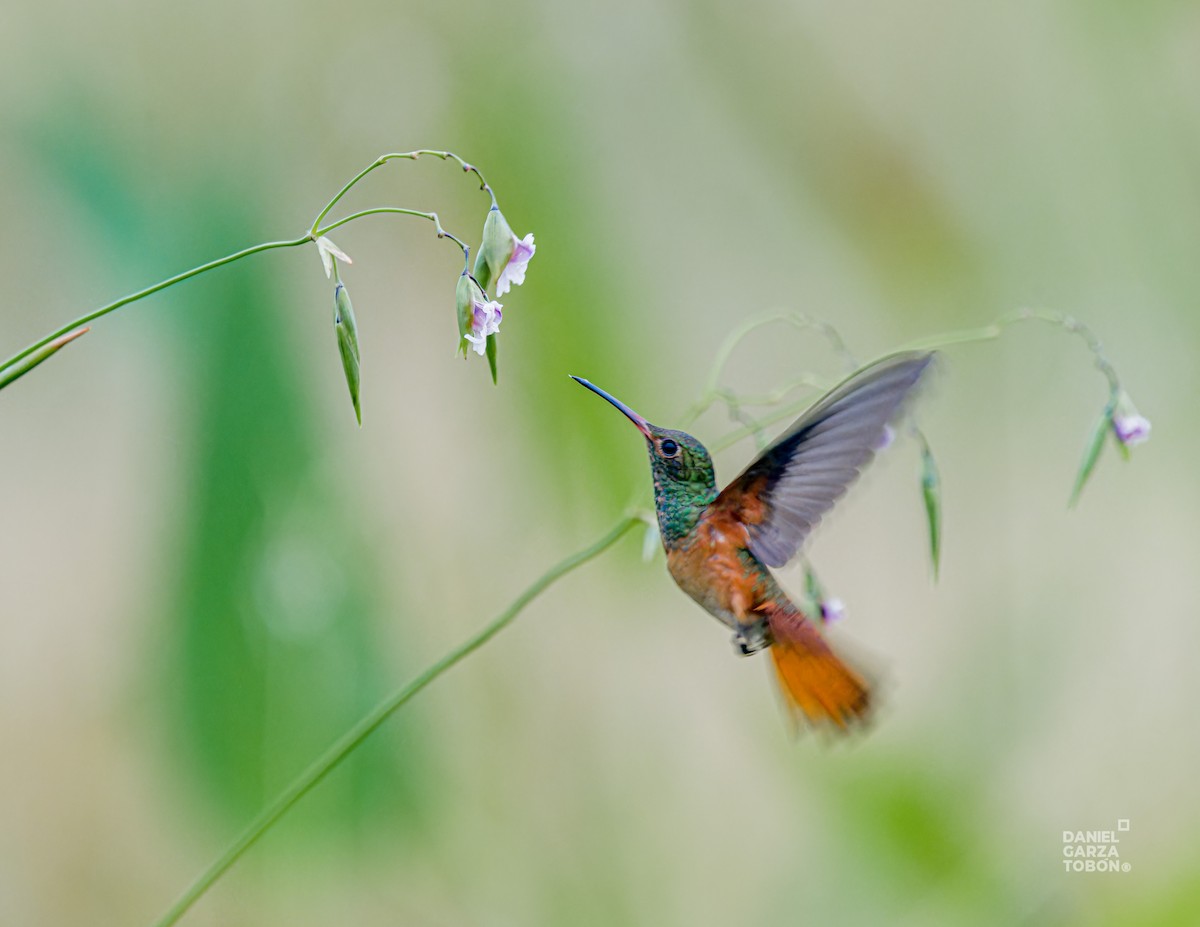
207	571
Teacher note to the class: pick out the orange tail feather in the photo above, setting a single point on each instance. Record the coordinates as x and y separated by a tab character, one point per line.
816	684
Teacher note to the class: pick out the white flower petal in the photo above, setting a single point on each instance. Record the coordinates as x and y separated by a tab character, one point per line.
514	271
486	317
325	248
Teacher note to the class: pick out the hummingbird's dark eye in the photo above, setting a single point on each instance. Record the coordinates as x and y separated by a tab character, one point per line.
668	448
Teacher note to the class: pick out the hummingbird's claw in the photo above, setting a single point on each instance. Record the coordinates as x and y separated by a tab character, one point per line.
747	645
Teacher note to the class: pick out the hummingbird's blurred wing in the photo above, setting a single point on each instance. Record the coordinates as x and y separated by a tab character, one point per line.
783	494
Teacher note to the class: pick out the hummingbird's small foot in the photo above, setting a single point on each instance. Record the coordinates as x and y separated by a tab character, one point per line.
750	640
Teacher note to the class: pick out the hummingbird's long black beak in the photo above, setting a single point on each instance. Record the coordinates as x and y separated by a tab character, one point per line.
642	425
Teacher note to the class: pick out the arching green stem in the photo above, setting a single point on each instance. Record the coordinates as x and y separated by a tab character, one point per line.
353	738
395	156
150	290
8	368
396	210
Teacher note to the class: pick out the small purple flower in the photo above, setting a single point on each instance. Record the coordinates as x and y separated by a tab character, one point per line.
485	320
513	273
832	609
1130	427
1131	430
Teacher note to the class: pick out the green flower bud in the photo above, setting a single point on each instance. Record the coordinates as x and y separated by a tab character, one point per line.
481	271
347	339
497	247
466	295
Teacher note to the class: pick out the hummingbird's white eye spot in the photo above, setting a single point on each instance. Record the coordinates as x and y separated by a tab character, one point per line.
668	448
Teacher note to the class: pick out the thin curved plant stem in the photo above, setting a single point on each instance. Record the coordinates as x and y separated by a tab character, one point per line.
18	369
799	320
353	738
381	210
1067	323
989	332
8	374
150	290
394	156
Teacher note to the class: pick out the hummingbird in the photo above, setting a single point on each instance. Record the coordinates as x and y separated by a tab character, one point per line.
720	544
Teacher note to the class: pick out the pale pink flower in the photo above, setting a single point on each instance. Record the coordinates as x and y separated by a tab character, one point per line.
485	320
1131	430
514	271
1130	427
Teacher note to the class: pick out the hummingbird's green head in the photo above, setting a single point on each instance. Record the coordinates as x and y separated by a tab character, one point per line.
677	457
684	479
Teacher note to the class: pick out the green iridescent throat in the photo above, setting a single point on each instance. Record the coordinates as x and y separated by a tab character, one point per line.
683	486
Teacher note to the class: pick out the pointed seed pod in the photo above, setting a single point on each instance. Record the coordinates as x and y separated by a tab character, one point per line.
931	491
491	357
347	339
1091	453
466	294
26	364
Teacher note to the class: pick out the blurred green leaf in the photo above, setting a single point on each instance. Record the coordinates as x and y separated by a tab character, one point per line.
276	597
914	829
272	598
